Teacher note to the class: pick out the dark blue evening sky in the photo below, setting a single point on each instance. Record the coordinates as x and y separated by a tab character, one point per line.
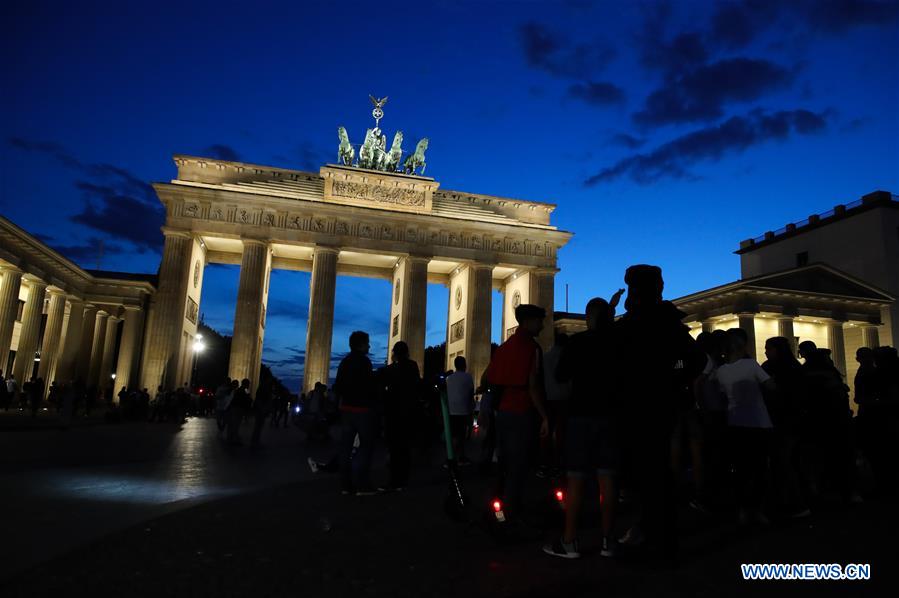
665	132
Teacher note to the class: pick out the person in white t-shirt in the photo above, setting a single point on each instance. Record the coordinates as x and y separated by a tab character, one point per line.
460	397
742	379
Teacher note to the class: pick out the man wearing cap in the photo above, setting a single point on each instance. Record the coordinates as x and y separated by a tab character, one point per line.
516	369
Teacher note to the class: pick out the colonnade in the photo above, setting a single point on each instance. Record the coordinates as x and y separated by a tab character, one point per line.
171	330
79	341
833	335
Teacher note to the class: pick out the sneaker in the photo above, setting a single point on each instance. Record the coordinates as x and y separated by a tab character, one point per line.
313	464
562	549
366	492
346	492
609	547
542	473
632	537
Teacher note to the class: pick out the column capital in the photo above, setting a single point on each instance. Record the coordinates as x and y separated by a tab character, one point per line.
53	290
130	307
325	249
11	269
255	242
36	282
416	258
176	232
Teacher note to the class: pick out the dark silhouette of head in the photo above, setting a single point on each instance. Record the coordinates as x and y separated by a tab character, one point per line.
460	364
779	350
644	286
530	318
359	341
245	383
806	348
865	356
400	351
598	313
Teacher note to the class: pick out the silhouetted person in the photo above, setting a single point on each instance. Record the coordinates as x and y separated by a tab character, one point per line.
785	407
517	369
460	399
355	389
35	395
557	394
658	362
886	412
828	420
237	410
4	393
262	407
402	387
223	395
592	447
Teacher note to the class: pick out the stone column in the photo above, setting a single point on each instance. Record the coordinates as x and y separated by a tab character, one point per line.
50	348
99	343
837	345
321	316
30	333
747	323
414	307
167	315
479	313
785	329
542	293
254	273
9	308
85	349
129	347
870	337
708	326
112	332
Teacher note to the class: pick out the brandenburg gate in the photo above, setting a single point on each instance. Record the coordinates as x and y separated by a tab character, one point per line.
373	217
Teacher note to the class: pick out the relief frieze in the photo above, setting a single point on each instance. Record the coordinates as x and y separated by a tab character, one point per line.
379	194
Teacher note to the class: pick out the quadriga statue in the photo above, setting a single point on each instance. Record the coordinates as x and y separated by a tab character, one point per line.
417	159
345	152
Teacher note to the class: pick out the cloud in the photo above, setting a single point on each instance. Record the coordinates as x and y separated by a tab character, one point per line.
734	135
86	254
625	140
701	93
735	25
682	52
597	93
547	51
116	201
221	152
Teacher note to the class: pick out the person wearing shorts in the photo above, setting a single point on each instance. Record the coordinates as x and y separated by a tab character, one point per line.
591	445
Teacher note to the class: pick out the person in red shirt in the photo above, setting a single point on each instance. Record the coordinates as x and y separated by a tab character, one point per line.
516	371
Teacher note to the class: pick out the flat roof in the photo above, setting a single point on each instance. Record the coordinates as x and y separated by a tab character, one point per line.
876	199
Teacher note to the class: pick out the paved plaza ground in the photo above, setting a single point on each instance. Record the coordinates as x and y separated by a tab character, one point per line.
141	509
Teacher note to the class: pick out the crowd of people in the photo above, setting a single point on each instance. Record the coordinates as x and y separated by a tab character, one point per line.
655	418
648	412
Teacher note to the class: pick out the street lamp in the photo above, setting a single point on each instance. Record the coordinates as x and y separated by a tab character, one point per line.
198	348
